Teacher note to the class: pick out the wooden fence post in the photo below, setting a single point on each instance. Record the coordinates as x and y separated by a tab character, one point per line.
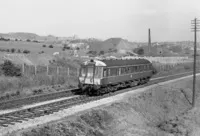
68	71
47	70
23	68
57	70
35	69
77	72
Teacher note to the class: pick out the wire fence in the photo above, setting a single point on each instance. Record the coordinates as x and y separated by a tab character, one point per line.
30	70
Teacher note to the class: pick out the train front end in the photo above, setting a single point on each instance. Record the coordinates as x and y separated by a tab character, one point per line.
90	76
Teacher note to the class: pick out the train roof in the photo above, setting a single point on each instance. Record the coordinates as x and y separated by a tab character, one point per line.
118	62
121	62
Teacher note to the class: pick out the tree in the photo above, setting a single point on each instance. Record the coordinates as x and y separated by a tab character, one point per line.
26	51
13	50
50	46
9	69
28	40
140	51
19	51
101	53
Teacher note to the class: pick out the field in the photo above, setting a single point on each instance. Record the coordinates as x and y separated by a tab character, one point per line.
33	47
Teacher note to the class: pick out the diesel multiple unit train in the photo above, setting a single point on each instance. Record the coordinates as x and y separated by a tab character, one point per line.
98	77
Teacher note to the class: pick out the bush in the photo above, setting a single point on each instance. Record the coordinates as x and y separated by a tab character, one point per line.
50	46
8	50
19	51
9	69
12	50
26	51
140	51
28	40
44	45
41	52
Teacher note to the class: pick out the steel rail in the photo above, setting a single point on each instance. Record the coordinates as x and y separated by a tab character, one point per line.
30	113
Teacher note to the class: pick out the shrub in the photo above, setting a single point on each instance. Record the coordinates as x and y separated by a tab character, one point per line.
140	51
8	50
50	46
43	45
41	52
35	41
101	53
28	40
13	50
26	51
19	51
9	69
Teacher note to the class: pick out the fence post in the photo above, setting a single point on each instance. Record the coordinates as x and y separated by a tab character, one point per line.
47	70
23	68
77	72
57	70
35	69
68	71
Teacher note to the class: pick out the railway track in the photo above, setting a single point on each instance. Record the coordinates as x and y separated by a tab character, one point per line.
18	102
14	103
30	113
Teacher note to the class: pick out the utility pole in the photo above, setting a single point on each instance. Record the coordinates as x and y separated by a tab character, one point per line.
195	29
149	42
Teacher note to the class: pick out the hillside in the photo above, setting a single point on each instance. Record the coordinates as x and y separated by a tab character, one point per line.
113	45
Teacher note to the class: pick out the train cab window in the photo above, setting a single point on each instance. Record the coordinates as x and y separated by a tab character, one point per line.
83	72
98	72
90	71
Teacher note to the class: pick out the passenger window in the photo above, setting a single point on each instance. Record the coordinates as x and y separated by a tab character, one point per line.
119	71
83	71
104	72
109	72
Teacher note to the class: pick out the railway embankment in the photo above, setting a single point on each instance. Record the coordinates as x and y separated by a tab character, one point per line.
162	110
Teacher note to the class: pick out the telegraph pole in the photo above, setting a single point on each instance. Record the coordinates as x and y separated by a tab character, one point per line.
149	42
195	23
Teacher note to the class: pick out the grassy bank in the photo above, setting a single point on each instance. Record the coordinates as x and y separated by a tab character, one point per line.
152	113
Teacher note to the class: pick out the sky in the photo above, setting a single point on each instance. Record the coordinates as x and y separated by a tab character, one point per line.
169	20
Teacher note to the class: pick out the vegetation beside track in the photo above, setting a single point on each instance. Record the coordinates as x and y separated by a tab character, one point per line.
162	110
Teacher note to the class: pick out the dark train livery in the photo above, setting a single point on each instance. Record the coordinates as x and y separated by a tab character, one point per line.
102	76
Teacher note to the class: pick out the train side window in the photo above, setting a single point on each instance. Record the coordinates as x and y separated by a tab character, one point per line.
104	72
113	71
123	71
109	72
119	70
129	69
145	67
